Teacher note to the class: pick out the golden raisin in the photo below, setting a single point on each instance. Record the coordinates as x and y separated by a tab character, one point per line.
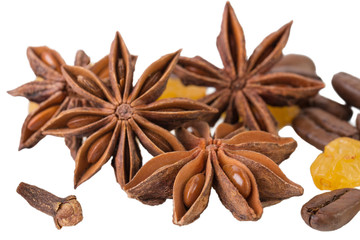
284	115
338	166
175	88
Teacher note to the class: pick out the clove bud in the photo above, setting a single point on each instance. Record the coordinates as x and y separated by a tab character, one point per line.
65	211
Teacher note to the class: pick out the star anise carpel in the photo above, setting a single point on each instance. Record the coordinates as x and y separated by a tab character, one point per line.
125	114
51	92
242	168
244	86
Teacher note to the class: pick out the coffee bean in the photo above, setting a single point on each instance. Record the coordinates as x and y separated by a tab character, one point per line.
319	127
331	210
341	111
348	88
358	122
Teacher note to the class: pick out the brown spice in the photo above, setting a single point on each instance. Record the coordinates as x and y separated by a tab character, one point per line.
319	127
51	92
249	155
126	113
244	86
65	211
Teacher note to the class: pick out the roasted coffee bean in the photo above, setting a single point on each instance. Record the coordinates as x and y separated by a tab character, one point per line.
193	189
331	123
331	210
295	63
319	127
341	111
348	88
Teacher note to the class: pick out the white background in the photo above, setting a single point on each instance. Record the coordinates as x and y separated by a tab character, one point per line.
327	31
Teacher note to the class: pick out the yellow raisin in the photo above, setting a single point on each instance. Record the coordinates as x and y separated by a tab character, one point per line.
338	166
284	115
175	88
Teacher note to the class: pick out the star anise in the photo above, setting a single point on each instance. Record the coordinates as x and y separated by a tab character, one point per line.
52	93
244	86
242	168
127	113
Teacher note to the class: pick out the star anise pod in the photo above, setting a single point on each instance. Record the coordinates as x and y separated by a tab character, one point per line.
127	113
244	86
52	93
242	168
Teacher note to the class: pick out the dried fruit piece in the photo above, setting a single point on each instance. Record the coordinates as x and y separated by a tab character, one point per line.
175	88
338	166
284	115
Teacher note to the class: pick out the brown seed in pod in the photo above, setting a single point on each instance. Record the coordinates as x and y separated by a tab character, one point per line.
46	64
183	214
193	189
209	157
31	132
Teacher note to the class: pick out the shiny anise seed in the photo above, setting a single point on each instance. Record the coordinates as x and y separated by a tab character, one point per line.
90	86
50	60
239	178
193	189
80	121
41	118
98	148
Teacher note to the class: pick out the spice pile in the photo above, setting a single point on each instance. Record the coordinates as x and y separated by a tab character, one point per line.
103	116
